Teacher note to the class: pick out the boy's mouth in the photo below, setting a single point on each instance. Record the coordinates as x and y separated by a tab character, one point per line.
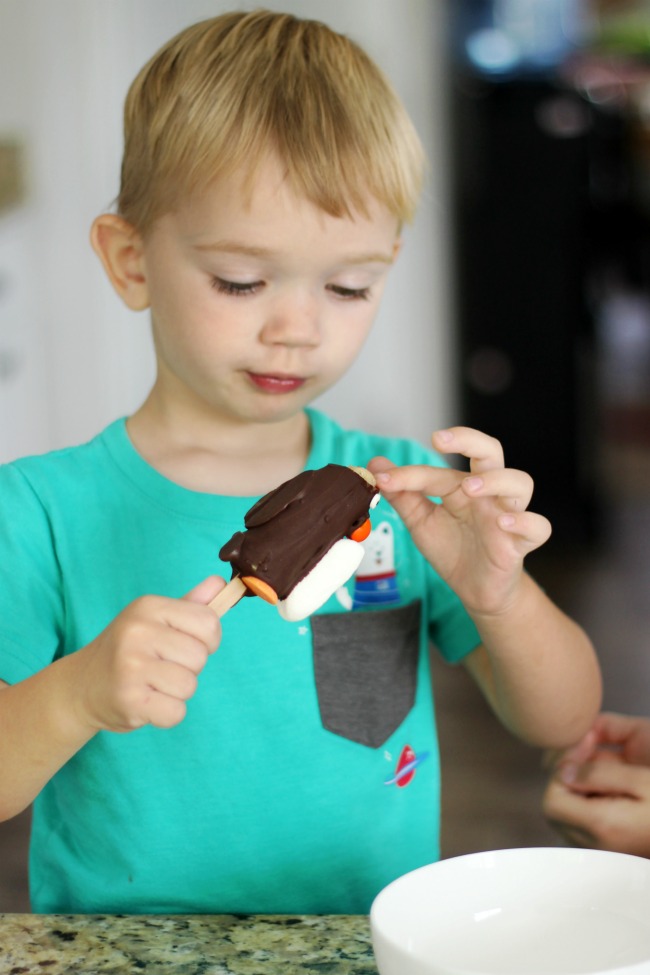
276	384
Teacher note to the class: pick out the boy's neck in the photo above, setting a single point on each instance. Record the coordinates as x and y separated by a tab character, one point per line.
213	457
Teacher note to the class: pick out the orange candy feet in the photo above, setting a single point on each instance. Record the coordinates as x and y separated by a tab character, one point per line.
261	589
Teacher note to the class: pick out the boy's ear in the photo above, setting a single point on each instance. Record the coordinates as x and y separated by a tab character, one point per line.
120	248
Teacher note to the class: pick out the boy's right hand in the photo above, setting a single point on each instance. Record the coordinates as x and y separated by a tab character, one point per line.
143	668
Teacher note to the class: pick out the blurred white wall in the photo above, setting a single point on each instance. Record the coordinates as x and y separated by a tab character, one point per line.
71	357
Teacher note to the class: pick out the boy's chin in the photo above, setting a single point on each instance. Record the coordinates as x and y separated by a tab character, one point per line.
276	409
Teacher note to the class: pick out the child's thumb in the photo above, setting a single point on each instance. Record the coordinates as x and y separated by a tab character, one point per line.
206	591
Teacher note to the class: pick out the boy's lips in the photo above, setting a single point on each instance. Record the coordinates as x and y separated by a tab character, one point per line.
271	383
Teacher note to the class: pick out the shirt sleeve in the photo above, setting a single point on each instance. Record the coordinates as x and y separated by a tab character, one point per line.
31	603
451	629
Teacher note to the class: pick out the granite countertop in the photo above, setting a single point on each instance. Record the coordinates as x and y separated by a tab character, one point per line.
88	944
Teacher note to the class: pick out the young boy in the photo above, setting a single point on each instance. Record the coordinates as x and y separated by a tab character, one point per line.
267	170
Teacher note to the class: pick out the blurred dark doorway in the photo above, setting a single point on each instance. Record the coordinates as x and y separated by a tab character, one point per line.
550	117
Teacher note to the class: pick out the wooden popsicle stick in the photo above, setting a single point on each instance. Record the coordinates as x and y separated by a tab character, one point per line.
228	597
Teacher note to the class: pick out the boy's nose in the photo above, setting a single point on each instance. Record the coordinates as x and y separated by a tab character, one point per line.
293	323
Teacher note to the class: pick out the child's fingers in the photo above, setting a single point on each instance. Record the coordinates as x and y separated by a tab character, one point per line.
165	711
172	679
192	618
484	452
181	649
531	529
513	488
155	686
436	482
206	590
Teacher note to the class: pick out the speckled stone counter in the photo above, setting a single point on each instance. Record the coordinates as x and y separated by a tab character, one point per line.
63	944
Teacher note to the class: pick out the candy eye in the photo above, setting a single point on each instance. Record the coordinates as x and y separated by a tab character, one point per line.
375	501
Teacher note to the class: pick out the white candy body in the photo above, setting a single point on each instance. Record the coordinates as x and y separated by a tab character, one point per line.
333	570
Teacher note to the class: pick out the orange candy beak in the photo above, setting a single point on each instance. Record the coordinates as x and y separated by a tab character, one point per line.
362	532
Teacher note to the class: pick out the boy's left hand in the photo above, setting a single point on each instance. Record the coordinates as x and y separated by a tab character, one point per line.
477	537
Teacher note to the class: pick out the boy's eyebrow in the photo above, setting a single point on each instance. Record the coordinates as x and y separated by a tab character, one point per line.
250	250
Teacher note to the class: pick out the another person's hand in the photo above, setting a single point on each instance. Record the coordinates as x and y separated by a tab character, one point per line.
612	735
143	668
599	793
479	534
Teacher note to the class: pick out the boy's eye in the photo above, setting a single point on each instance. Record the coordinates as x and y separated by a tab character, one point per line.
349	294
235	287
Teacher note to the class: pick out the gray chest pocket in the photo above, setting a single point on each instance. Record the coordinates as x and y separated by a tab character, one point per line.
365	667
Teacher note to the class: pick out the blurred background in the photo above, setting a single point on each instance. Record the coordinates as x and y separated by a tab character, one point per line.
520	304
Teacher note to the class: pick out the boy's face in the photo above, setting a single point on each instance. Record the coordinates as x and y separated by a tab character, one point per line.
259	305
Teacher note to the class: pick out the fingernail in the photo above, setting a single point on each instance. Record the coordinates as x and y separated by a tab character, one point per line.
383	478
445	435
506	521
474	483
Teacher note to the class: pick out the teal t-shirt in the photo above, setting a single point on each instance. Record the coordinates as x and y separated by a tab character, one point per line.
305	776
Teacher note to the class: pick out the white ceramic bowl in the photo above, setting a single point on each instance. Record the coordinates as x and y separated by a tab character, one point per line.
534	911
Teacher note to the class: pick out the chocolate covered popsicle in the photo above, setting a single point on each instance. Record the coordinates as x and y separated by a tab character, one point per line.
301	541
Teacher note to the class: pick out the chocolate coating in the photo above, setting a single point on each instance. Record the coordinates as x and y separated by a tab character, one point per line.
289	530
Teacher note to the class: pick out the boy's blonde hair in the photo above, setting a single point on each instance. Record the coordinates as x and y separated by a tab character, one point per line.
222	93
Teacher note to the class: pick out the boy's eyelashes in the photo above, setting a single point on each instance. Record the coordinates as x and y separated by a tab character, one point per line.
349	293
235	287
239	288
